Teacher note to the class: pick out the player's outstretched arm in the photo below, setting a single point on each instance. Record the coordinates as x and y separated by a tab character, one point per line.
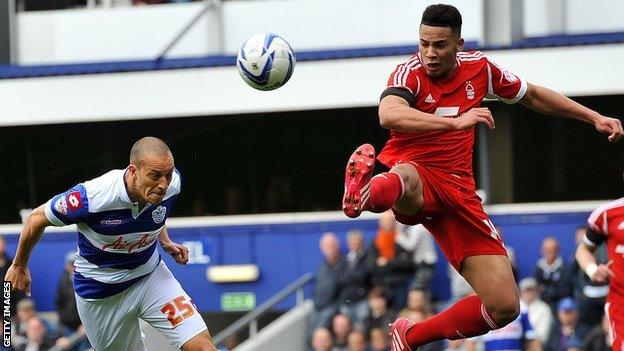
600	273
396	114
179	252
18	274
549	102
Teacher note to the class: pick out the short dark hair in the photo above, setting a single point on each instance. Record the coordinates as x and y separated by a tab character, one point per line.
442	15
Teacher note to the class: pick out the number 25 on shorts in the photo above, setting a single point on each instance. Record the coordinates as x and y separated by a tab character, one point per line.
178	310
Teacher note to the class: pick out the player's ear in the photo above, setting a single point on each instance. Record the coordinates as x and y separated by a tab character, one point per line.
132	169
460	44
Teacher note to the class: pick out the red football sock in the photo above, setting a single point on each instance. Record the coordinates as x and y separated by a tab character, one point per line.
467	317
385	190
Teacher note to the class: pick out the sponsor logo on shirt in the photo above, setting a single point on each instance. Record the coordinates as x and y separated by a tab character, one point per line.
122	244
74	201
429	99
111	221
61	206
158	215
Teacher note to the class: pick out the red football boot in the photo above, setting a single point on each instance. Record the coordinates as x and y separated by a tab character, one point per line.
398	329
358	173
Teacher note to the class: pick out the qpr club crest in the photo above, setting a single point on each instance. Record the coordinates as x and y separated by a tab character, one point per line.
158	215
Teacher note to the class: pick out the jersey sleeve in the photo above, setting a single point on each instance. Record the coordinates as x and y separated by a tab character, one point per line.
404	81
597	221
504	85
69	207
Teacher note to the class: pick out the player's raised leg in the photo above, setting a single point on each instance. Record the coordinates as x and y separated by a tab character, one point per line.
401	187
495	305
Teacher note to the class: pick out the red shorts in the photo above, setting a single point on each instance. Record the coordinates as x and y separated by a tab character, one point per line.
615	314
453	213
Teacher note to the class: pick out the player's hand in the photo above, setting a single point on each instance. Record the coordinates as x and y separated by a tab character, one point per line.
476	115
603	273
611	126
19	278
178	252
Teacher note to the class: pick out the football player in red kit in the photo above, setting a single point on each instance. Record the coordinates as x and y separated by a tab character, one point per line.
431	106
606	224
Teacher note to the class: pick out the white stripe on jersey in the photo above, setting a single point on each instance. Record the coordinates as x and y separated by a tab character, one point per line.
114	275
593	217
400	77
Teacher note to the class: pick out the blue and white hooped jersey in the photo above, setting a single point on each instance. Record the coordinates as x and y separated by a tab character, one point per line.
116	239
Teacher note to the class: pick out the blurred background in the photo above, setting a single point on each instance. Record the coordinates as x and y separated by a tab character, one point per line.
81	81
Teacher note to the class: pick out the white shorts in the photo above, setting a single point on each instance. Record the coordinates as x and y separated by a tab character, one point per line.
112	323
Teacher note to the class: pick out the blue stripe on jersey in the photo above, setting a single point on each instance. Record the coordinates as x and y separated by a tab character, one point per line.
105	259
88	288
120	222
71	206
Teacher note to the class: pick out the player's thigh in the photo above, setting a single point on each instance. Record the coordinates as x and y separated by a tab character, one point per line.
492	279
169	309
413	197
112	323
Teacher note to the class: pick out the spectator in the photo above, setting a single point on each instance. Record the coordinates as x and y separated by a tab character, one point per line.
25	311
341	327
456	345
590	295
69	320
380	316
516	336
357	341
540	315
322	340
354	281
599	338
392	265
418	300
325	295
568	327
379	339
575	345
36	336
550	274
419	241
5	262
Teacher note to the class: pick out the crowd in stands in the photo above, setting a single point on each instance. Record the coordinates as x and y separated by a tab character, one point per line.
360	290
30	331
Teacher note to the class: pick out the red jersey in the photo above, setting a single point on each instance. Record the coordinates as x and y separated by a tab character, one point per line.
475	78
606	223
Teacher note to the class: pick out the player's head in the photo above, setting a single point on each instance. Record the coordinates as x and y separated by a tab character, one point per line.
151	169
440	39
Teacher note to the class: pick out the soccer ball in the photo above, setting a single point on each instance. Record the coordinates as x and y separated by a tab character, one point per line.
265	61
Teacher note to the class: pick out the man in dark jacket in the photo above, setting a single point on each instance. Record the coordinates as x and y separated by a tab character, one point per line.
325	296
69	321
354	281
567	329
551	274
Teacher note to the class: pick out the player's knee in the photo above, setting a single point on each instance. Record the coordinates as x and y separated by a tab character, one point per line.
506	312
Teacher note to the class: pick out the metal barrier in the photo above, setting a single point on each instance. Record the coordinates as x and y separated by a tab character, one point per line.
252	317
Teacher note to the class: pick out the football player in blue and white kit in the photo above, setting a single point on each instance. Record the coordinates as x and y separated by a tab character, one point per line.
119	276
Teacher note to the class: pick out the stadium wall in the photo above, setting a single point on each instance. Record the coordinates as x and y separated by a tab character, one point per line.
285	247
122	33
220	91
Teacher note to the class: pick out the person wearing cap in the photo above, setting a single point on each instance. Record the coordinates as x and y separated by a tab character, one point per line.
567	328
65	301
540	315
